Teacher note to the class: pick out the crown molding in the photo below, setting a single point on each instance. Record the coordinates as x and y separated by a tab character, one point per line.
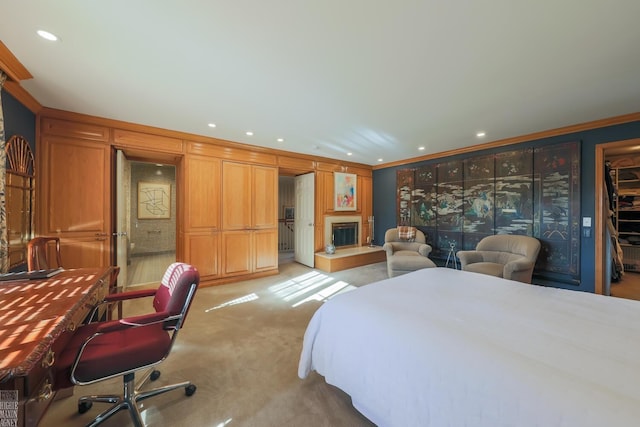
11	66
24	97
611	121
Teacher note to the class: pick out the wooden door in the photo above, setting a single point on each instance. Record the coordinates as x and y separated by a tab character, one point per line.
365	205
83	251
202	215
304	223
264	242
76	200
237	253
202	193
327	197
202	250
265	197
236	196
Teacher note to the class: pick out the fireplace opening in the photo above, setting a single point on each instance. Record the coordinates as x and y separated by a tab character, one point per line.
344	234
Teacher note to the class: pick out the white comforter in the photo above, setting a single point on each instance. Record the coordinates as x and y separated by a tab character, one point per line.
441	347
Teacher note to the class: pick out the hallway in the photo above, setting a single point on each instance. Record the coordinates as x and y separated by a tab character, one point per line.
148	268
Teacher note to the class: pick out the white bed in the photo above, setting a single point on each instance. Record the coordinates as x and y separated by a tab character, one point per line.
441	347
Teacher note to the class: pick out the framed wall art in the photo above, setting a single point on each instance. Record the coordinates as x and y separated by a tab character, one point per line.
344	191
154	200
289	213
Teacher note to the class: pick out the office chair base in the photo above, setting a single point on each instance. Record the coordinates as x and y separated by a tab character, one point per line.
130	398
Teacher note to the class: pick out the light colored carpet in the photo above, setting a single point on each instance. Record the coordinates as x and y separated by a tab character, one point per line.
241	345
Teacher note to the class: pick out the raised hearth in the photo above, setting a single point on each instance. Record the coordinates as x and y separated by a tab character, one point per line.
349	258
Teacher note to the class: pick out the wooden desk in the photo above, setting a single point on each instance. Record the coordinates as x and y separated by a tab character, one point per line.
37	319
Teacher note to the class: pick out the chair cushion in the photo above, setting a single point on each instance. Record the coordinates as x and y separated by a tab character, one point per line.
490	268
112	353
409	262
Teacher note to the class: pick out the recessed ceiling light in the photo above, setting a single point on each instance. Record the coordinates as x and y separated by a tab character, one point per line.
349	154
249	133
280	140
379	160
212	125
47	35
480	134
420	148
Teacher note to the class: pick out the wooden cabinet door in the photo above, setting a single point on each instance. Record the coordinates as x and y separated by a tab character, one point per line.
81	252
202	250
202	193
365	205
266	249
265	197
329	203
75	200
237	253
236	196
76	186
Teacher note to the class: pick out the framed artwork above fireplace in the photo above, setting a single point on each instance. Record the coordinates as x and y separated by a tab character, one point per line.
344	193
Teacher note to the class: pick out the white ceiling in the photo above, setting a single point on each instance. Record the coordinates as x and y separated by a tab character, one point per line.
375	78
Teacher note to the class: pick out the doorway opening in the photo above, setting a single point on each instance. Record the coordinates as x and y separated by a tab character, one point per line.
146	224
286	217
296	218
618	219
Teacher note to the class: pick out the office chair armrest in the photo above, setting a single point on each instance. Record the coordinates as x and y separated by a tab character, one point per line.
131	322
130	295
122	296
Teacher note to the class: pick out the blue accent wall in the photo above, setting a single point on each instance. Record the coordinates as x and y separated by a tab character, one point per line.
18	120
384	187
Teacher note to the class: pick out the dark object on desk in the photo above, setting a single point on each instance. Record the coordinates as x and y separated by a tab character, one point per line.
30	275
104	350
38	250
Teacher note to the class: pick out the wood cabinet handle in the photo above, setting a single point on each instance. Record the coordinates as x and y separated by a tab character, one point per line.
49	359
45	392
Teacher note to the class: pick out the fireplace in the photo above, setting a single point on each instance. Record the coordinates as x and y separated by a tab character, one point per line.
344	234
343	231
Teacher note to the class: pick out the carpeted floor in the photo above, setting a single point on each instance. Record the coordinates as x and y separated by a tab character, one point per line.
240	345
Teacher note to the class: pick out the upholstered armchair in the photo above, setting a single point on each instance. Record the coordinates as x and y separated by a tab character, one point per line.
407	250
503	255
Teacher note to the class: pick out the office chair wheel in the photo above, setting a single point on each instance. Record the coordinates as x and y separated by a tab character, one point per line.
84	407
154	375
190	389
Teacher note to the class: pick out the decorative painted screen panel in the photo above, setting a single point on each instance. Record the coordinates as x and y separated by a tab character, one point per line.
424	203
479	210
514	192
557	216
529	192
404	183
450	197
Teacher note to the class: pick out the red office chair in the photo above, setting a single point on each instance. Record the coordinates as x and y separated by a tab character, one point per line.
103	350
